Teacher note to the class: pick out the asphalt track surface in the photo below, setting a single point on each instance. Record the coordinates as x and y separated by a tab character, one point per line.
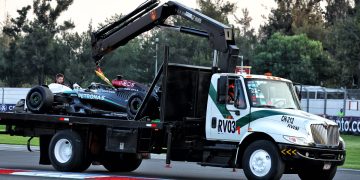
17	158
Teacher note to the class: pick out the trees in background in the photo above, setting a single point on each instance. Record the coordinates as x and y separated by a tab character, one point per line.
297	58
303	40
34	52
343	41
336	27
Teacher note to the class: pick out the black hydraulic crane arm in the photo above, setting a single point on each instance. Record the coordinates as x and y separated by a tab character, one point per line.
150	15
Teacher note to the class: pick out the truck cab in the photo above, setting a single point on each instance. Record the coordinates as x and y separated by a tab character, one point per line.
243	108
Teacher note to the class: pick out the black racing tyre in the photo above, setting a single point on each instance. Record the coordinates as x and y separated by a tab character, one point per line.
68	153
317	173
121	162
261	160
134	104
39	99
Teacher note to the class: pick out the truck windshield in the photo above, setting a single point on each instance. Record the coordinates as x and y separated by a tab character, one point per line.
271	94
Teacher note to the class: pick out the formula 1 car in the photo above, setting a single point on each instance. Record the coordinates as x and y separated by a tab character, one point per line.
124	96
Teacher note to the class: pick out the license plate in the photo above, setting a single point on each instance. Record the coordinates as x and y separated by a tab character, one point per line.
327	166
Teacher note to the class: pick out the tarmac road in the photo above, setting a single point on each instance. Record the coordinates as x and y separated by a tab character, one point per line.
16	157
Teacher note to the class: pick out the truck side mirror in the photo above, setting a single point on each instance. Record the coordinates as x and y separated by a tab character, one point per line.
298	90
222	89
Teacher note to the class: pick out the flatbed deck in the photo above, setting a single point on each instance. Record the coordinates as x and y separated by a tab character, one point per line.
10	118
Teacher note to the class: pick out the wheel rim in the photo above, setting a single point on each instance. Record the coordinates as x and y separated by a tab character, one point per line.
63	150
260	163
35	99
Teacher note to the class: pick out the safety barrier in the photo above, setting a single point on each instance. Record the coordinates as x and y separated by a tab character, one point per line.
10	96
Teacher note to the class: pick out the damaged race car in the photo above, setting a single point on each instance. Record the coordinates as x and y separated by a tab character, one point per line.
122	98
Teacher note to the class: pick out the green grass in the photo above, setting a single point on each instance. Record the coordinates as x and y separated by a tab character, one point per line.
19	140
352	151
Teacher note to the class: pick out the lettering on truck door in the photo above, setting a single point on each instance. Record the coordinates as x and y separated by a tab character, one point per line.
232	116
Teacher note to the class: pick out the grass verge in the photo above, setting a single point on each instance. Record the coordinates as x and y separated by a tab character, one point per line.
352	151
18	140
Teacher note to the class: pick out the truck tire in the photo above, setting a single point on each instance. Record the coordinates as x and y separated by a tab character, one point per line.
134	104
121	162
67	152
39	99
317	173
261	160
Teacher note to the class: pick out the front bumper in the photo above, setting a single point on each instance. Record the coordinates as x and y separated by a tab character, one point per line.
301	156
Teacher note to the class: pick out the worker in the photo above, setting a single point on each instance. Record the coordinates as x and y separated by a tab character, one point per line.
341	113
59	78
231	94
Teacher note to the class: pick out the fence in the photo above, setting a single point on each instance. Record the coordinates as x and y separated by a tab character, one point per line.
10	96
328	102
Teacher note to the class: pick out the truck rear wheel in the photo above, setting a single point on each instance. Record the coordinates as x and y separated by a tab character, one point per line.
39	99
121	162
67	152
261	160
317	173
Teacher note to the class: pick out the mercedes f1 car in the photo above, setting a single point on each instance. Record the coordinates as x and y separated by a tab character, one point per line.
124	97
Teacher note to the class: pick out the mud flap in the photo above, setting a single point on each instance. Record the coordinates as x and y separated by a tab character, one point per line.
44	150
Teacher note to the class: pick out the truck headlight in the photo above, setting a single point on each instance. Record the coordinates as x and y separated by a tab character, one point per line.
342	143
296	140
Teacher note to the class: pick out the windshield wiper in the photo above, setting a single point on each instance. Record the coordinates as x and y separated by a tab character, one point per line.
288	108
265	106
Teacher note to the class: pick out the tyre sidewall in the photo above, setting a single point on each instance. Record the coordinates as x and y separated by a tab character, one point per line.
47	99
121	162
277	165
77	161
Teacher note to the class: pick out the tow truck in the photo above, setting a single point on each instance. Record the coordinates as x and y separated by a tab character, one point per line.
208	115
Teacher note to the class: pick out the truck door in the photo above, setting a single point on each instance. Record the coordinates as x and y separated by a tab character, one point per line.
227	117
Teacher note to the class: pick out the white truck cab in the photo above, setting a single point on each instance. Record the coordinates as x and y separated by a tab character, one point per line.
245	108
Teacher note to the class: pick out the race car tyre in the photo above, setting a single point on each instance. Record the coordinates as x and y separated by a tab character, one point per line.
317	173
67	152
134	104
121	162
261	160
39	99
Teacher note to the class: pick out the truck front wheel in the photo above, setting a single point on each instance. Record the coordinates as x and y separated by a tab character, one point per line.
317	173
121	162
67	152
261	160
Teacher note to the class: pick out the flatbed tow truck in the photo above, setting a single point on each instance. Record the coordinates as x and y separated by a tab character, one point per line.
211	116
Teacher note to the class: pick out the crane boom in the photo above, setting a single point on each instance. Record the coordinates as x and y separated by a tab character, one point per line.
150	15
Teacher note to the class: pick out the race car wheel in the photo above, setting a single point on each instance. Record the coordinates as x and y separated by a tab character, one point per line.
261	160
121	162
134	104
67	152
39	99
317	173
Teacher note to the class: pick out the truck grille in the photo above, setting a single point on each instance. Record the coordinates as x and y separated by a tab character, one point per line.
325	134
